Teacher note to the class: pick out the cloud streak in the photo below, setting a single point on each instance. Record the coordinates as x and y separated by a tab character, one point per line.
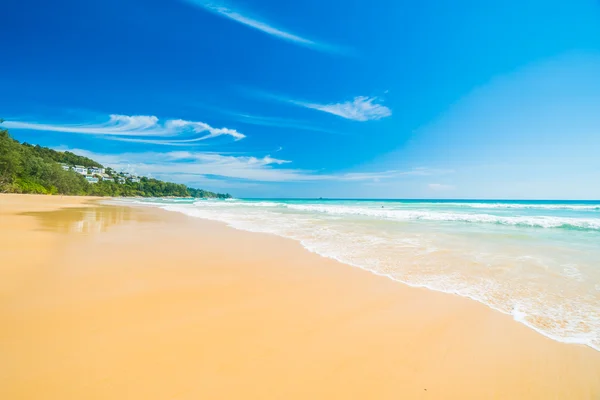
137	128
361	108
223	10
187	166
268	121
280	123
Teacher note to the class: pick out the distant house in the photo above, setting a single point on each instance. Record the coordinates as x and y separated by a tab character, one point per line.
91	179
80	169
97	171
120	179
107	178
65	167
135	179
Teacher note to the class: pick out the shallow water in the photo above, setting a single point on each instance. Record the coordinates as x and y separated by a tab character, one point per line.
536	260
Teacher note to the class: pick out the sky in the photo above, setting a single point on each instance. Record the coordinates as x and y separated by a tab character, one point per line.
316	98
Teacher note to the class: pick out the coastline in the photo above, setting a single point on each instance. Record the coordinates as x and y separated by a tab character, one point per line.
117	301
558	298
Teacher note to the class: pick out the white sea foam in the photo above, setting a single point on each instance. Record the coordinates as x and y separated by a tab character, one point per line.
571	271
398	214
559	299
405	215
237	203
467	205
534	206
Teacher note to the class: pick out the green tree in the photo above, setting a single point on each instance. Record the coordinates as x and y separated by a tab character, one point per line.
25	168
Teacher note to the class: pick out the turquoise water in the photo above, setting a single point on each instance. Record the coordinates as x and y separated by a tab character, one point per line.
538	261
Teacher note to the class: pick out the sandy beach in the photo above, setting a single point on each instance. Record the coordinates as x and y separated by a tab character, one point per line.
114	302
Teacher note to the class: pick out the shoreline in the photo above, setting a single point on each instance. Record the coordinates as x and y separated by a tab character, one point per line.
390	277
312	327
515	314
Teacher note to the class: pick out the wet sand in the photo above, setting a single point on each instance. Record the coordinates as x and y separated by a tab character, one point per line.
113	302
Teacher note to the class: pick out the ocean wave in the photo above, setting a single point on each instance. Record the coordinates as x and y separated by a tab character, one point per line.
406	215
532	206
427	204
417	260
237	203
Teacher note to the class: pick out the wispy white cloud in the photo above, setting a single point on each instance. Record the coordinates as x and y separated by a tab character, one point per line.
361	108
279	123
377	176
225	10
439	187
137	128
186	166
263	120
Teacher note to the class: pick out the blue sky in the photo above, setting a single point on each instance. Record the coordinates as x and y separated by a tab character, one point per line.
317	98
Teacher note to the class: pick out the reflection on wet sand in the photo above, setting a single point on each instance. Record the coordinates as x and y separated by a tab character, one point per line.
88	220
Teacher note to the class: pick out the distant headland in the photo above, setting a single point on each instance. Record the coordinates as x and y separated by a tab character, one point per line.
25	168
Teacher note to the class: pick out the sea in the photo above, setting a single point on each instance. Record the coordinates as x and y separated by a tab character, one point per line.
538	261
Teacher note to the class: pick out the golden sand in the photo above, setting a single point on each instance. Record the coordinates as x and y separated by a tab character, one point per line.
111	302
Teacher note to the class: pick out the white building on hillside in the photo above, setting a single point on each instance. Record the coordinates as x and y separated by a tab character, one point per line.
98	171
91	179
80	169
65	167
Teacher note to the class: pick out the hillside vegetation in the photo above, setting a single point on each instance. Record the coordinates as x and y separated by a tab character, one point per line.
25	168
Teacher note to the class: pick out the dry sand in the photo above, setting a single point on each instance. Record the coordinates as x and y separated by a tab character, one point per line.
111	302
